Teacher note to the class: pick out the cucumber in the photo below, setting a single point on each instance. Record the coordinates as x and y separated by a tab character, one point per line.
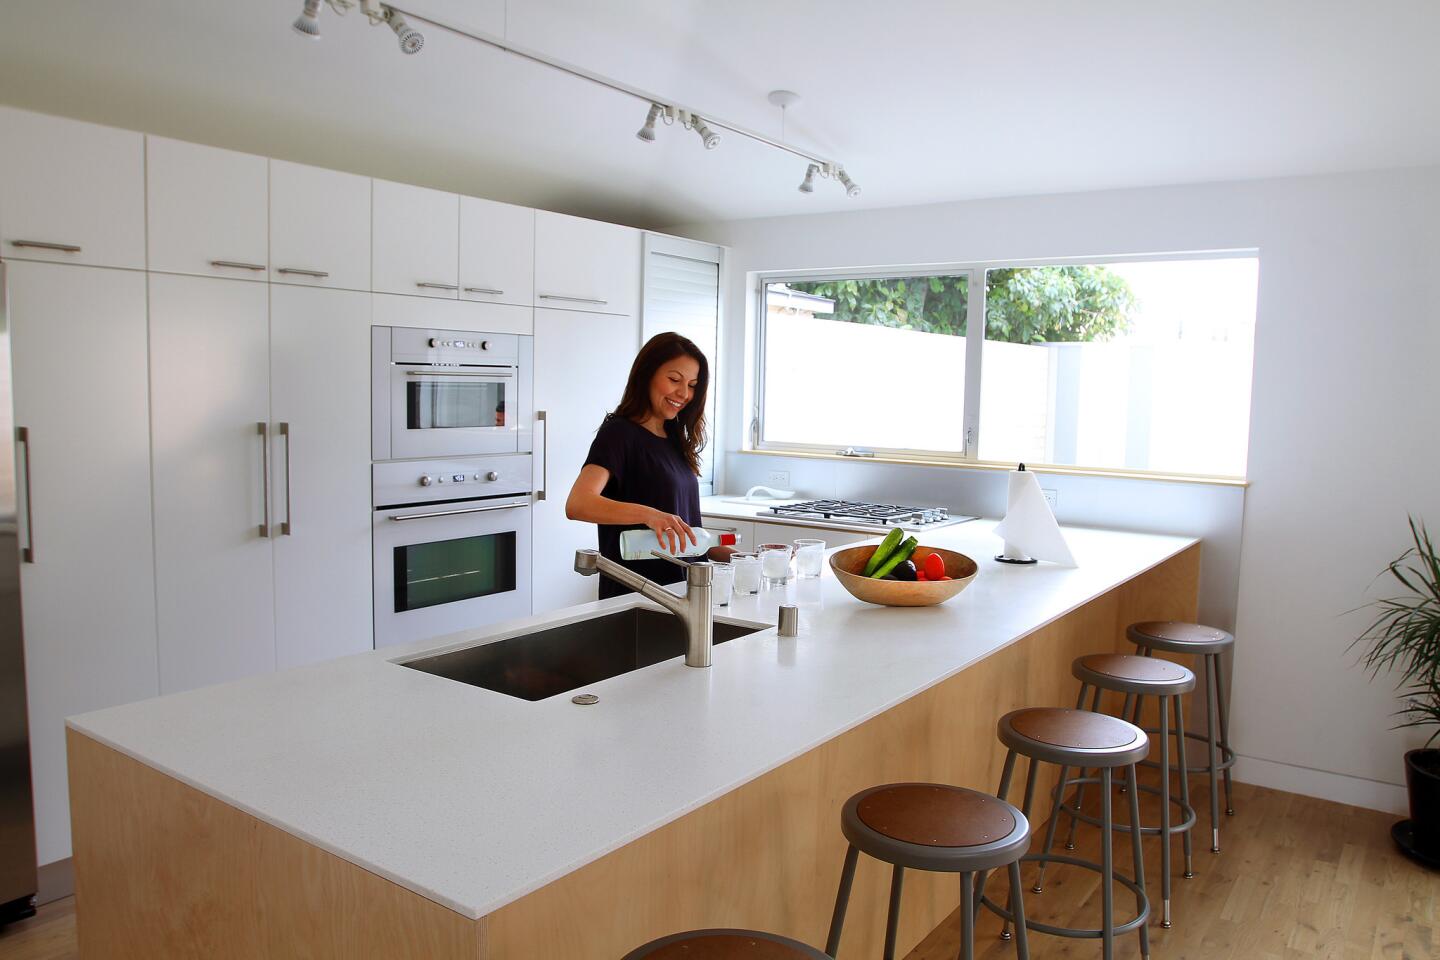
898	557
882	552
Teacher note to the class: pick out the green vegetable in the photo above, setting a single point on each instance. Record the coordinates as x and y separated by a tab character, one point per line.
882	552
898	557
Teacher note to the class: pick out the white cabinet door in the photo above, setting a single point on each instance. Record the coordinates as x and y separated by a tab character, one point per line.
209	375
785	533
497	252
581	361
416	247
586	265
744	530
78	340
319	227
66	184
320	403
207	210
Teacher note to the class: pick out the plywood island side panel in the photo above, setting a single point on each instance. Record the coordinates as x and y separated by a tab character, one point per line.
163	870
768	855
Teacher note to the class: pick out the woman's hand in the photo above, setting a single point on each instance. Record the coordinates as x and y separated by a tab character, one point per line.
670	530
720	554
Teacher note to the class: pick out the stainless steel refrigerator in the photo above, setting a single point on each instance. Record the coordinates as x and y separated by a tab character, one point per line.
17	812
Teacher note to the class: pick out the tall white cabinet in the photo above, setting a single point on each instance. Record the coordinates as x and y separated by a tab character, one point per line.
209	360
320	481
581	363
78	340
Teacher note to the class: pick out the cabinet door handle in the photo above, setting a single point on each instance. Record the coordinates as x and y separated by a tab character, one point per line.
556	296
439	286
711	526
237	264
289	510
43	245
263	429
488	290
27	553
318	274
544	455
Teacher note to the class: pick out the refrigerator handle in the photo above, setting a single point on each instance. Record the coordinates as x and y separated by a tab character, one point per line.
263	429
544	456
27	553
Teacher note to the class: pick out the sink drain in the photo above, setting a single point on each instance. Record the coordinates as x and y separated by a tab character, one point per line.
585	699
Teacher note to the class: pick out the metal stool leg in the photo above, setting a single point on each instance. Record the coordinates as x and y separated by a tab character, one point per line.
967	916
842	900
1006	775
1225	748
1164	811
1107	867
1211	712
1080	788
1179	704
1050	827
1031	770
1142	904
1017	907
892	921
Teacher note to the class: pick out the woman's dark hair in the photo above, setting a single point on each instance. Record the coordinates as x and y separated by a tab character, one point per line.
687	430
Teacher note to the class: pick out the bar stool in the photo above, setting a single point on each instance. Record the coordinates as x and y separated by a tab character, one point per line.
1079	738
1210	643
1138	677
724	945
931	826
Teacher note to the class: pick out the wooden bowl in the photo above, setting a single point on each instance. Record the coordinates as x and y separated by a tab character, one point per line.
849	567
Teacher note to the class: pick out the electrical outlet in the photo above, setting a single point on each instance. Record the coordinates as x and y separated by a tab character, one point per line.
1050	497
779	478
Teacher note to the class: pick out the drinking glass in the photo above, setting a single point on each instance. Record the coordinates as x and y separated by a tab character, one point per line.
747	573
809	555
724	575
775	563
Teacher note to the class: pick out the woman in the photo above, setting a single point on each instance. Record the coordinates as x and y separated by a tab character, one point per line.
642	468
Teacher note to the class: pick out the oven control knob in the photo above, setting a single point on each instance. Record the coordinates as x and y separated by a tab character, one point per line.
484	344
426	480
492	476
435	341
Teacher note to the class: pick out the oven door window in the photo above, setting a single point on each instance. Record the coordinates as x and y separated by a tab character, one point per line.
459	402
444	571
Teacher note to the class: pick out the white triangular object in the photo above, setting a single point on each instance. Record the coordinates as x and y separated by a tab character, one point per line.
1029	527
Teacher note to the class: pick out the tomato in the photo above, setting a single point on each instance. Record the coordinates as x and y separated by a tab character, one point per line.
920	576
935	566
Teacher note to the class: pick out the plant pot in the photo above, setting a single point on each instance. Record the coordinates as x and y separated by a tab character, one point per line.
1422	781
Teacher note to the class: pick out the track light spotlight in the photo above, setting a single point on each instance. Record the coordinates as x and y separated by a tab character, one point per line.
852	189
411	40
647	132
808	184
710	138
308	23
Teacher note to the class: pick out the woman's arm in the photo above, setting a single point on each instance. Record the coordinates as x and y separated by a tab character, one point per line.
585	503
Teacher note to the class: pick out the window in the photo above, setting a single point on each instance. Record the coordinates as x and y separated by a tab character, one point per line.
849	362
1138	366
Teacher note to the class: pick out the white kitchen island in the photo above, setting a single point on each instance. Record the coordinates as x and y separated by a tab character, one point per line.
359	808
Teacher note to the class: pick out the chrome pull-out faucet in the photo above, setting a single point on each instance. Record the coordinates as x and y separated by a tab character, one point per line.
693	609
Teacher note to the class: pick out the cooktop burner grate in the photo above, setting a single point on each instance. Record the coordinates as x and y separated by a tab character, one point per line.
859	511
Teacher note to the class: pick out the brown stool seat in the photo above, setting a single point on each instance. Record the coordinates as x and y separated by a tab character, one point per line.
725	945
1060	735
1177	637
1128	673
936	815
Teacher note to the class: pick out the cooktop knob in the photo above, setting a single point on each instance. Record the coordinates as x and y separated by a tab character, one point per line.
426	480
492	475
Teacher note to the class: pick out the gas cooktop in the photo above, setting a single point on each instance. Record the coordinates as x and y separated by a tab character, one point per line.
862	513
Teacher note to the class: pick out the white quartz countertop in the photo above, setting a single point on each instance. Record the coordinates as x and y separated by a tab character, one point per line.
474	799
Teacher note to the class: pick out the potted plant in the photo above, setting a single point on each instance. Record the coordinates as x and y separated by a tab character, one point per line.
1405	638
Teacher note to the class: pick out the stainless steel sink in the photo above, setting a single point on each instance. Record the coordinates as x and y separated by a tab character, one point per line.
549	662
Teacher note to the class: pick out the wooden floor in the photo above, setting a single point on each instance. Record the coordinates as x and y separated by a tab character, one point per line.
1298	878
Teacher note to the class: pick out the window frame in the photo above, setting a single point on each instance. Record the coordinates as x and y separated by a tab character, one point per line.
975	271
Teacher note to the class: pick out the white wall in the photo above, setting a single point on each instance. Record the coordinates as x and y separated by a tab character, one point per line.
1342	425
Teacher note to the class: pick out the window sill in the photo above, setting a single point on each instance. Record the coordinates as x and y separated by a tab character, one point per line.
995	466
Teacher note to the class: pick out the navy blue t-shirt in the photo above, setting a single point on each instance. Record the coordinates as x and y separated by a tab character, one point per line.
644	469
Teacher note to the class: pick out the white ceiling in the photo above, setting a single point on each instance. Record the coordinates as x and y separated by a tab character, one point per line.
923	100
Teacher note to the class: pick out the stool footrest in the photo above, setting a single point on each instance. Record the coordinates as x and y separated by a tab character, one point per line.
1078	933
1185	824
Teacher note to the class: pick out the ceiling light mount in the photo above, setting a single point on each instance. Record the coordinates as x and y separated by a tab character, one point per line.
308	23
